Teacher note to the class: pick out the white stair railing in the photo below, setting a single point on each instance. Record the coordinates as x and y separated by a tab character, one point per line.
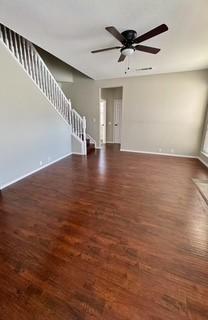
26	54
77	125
92	140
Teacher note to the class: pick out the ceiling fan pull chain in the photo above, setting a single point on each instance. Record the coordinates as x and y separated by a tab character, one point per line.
127	68
128	63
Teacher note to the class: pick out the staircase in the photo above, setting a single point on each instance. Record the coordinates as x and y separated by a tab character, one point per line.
30	60
90	144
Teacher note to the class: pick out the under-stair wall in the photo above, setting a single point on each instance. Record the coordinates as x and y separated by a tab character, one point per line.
37	122
32	133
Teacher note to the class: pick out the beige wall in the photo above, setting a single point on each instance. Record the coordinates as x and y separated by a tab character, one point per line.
30	129
109	95
165	113
161	113
84	94
61	71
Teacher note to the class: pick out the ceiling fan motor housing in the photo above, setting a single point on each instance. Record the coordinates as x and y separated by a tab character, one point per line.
128	48
130	35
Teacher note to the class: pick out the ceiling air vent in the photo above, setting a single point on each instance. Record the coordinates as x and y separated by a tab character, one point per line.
144	69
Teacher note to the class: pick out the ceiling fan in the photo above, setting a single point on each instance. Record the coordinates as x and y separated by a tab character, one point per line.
129	38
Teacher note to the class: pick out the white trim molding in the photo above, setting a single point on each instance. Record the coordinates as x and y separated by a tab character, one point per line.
33	171
160	153
79	153
204	154
202	161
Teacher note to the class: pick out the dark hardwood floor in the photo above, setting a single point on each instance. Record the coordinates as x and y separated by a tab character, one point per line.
111	236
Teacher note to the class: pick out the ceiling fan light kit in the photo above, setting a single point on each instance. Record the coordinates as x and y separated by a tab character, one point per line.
129	41
127	51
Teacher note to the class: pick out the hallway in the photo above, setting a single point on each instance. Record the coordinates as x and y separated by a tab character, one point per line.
111	236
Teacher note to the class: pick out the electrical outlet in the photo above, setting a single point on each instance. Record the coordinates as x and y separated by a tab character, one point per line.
160	149
41	163
172	150
49	159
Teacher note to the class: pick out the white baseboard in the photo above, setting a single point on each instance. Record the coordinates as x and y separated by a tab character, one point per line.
202	161
33	171
161	154
79	153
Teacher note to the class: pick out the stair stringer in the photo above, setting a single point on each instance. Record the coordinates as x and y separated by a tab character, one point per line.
78	147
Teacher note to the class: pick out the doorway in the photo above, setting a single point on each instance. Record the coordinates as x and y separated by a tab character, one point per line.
102	121
111	115
117	121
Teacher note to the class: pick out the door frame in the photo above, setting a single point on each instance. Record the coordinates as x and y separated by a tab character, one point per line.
104	140
120	119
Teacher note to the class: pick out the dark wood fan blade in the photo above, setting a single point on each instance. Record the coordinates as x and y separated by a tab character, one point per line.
116	34
106	49
152	33
148	49
121	58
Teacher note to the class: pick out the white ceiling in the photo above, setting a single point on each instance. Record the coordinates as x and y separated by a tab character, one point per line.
70	29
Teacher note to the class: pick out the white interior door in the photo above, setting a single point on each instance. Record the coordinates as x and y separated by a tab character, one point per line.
103	121
117	121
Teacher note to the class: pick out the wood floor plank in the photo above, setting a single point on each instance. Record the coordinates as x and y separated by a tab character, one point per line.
113	235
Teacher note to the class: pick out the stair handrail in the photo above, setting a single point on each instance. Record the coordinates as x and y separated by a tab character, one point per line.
78	125
92	140
68	101
77	114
